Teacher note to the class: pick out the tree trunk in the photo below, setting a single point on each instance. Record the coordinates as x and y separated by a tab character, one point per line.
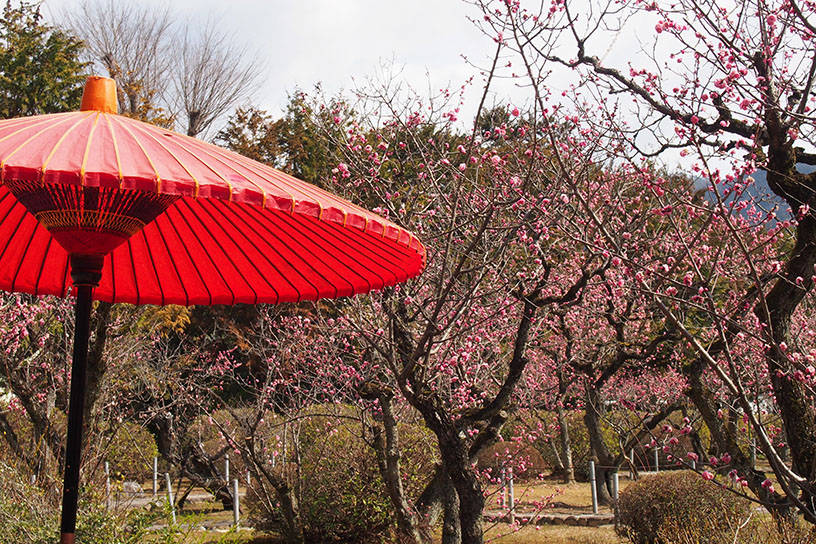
796	188
201	469
791	395
451	525
386	444
431	504
724	439
292	527
603	458
566	446
456	460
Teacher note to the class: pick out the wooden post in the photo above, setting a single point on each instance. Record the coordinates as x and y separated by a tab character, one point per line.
592	484
170	498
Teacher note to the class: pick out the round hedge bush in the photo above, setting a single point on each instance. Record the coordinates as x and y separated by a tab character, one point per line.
679	507
131	451
340	492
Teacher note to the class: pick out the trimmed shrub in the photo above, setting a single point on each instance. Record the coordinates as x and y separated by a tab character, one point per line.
341	495
679	507
131	451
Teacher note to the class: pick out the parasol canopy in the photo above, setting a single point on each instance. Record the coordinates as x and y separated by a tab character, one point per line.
124	211
178	221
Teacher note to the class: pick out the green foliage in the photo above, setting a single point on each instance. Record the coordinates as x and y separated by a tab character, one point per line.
164	319
342	497
297	143
762	529
252	133
675	506
40	70
131	451
30	515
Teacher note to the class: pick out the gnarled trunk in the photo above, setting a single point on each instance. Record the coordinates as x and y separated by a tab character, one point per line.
604	462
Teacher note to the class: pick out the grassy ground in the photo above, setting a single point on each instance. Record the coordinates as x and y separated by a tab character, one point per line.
560	534
570	499
561	499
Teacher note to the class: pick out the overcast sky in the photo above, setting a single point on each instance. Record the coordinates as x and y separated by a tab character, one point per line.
332	41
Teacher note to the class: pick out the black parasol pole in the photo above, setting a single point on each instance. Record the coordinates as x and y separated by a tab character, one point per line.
86	271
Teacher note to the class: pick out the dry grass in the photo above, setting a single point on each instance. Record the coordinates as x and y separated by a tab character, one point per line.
553	534
560	498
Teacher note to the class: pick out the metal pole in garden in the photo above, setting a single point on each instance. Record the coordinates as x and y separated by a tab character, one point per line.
657	460
226	468
503	488
170	498
753	453
615	483
155	476
511	499
107	485
236	510
632	464
592	485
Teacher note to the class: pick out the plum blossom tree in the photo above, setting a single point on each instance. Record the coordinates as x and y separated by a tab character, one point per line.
454	345
730	88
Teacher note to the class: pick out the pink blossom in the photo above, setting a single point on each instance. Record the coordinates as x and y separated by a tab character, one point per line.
707	475
768	485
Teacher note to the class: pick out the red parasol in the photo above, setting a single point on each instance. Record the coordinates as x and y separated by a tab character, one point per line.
128	212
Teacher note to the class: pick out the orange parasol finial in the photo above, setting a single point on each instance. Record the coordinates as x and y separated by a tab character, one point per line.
99	95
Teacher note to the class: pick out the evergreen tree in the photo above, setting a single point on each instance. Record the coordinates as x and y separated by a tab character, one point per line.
40	70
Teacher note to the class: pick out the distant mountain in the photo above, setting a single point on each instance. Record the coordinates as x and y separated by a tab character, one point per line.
760	193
